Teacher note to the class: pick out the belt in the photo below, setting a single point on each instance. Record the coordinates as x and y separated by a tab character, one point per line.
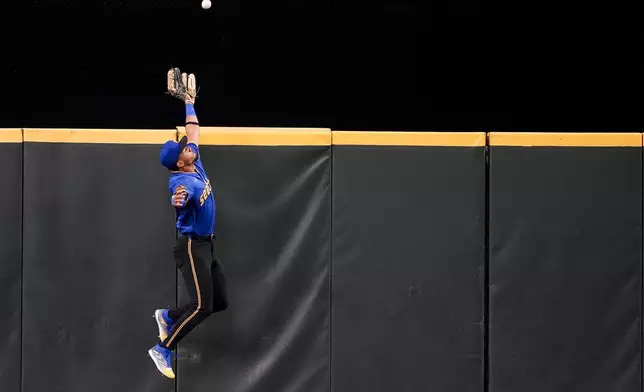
195	237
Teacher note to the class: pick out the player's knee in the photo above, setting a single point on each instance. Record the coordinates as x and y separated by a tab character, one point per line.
192	307
201	311
205	311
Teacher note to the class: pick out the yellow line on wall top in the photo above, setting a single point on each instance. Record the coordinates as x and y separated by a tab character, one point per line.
240	136
106	136
565	139
321	137
10	135
445	139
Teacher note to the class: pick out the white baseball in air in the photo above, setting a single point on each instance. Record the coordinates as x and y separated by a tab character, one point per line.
205	4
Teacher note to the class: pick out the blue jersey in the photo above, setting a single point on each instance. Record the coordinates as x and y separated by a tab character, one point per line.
197	216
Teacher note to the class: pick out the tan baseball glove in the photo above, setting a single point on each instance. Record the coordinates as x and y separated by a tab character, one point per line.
182	86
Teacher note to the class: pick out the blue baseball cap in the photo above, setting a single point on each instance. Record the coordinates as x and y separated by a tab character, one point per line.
170	152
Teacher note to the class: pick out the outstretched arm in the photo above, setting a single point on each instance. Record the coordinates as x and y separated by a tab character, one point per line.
192	123
184	86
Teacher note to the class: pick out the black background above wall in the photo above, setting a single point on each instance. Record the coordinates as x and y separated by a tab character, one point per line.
344	64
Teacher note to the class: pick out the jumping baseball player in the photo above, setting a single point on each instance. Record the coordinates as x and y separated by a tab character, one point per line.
194	251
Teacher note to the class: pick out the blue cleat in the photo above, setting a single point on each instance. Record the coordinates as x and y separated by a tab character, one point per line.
162	359
164	323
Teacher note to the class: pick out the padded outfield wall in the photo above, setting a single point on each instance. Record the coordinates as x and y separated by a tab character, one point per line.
356	261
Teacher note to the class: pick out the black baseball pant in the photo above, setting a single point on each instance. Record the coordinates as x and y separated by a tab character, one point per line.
205	282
